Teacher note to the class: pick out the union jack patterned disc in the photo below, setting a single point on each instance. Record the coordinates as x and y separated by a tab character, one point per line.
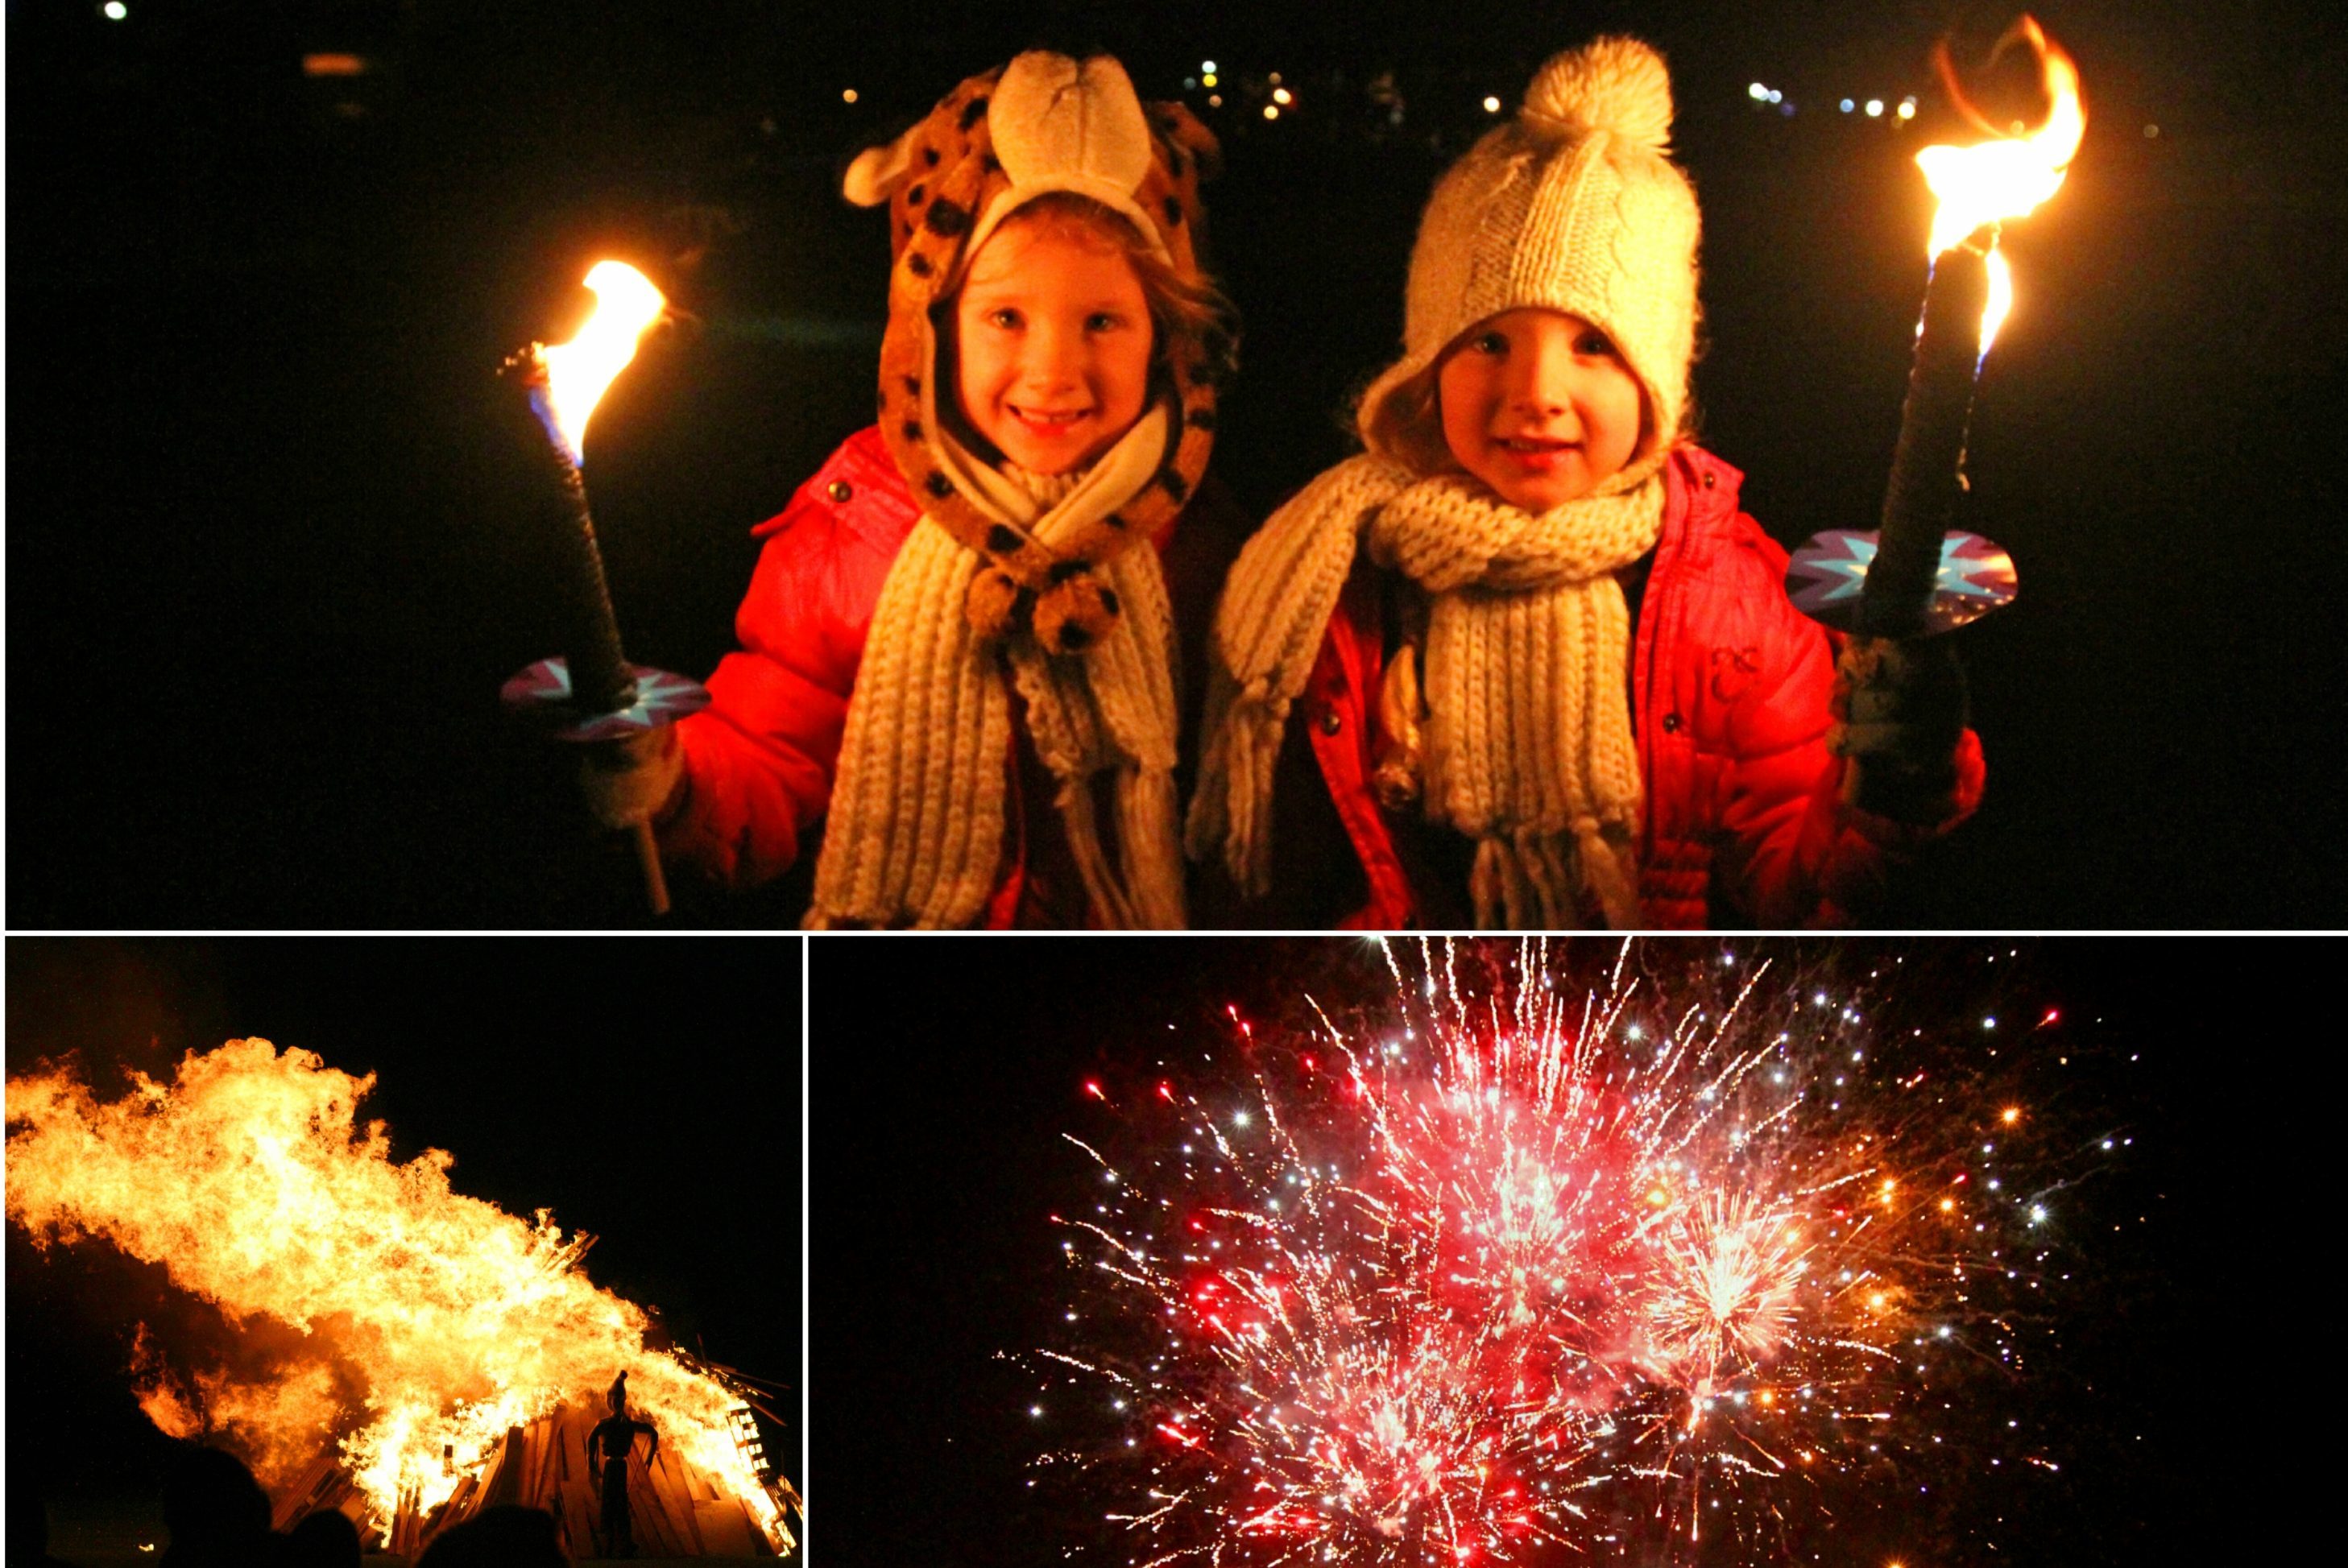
1826	575
544	691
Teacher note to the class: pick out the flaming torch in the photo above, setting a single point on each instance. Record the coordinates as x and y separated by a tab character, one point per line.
595	695
1916	576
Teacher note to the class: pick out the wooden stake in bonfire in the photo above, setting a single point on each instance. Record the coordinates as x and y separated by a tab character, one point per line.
594	693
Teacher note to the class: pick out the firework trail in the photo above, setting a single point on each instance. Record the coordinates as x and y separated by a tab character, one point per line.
1515	1266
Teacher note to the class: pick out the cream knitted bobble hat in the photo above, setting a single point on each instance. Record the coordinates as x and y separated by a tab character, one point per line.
1573	206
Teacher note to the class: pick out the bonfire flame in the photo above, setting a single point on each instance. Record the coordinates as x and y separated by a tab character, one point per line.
2007	178
578	372
251	1182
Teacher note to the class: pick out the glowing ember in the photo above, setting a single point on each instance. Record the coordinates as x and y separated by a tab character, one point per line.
432	1322
2008	178
578	372
1514	1263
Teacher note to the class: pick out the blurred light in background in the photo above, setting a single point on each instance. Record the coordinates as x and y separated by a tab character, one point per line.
333	66
1491	106
115	10
848	95
1847	106
1875	109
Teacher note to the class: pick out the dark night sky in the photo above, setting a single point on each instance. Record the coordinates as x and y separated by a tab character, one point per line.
647	1092
938	1158
265	572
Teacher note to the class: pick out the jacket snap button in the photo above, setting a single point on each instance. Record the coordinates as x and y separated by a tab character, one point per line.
1670	723
1707	478
840	490
1331	721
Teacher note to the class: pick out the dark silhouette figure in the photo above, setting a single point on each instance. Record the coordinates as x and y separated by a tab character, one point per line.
506	1536
217	1513
27	1538
326	1538
28	1531
613	1437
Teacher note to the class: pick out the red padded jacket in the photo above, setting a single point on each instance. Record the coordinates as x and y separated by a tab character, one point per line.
1745	824
759	761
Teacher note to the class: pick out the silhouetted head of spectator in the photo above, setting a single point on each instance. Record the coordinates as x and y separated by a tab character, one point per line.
215	1511
326	1538
505	1537
27	1539
28	1519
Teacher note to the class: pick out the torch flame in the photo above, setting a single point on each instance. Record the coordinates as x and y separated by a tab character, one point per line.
251	1180
578	372
2008	178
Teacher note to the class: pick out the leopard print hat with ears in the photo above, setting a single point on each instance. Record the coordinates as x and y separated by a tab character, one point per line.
1044	123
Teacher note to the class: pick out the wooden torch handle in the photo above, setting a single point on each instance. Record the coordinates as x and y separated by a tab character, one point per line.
648	859
1928	466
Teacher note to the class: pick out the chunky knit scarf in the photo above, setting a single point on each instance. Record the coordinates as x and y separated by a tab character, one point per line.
1529	749
915	834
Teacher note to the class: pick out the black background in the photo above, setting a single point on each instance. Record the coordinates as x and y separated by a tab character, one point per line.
939	1159
647	1092
266	569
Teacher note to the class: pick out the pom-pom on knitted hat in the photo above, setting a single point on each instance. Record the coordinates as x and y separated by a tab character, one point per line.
1574	205
1043	124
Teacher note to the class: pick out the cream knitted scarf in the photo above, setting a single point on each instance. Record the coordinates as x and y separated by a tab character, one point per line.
1528	744
915	835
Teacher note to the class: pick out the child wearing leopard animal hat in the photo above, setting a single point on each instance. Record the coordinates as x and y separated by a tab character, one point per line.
1524	663
960	647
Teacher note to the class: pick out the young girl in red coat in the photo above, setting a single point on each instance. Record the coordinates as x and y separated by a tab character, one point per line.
1546	671
960	648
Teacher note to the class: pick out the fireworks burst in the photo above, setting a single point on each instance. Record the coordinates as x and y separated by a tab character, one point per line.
1516	1264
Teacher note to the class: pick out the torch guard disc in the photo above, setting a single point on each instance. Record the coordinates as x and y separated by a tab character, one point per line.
543	691
1826	575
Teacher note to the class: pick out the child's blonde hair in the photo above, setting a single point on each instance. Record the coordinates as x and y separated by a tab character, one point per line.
1188	314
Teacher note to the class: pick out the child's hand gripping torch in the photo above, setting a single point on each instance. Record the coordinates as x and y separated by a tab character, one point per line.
594	694
1916	578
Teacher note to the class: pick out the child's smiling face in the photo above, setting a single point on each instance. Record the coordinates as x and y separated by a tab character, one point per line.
1540	407
1052	339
